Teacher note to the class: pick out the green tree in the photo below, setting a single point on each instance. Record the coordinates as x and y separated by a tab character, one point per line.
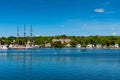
57	44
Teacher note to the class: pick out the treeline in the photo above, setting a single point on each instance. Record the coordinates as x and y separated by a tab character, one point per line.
103	40
83	40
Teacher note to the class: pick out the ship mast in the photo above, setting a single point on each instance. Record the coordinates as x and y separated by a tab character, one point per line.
25	34
31	35
18	32
24	31
31	32
17	35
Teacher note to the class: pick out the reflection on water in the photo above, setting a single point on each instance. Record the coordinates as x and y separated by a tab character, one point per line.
60	64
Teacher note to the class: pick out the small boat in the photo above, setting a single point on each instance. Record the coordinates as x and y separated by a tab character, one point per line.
15	47
3	47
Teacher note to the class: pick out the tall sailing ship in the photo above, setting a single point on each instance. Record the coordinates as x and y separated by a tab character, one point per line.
28	44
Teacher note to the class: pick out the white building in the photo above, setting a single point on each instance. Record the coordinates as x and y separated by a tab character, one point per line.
98	46
89	46
116	45
68	45
78	46
48	45
105	46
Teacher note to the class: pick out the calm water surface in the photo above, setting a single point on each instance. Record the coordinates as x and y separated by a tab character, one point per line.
60	64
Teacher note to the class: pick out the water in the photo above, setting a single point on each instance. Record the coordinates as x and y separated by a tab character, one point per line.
60	64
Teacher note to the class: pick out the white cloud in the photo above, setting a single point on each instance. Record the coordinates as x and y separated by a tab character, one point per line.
114	33
99	10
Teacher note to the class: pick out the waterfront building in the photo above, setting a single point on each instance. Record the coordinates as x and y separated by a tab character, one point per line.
48	45
116	45
98	46
90	46
10	46
68	45
105	46
111	46
78	46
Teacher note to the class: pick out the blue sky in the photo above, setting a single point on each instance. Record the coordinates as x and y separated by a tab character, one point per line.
57	17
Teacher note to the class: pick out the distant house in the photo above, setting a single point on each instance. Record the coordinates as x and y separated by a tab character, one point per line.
10	46
48	45
68	45
78	46
98	46
37	46
116	45
67	40
62	40
111	46
89	46
105	46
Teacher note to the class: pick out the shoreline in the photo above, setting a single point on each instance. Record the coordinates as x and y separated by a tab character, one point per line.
64	48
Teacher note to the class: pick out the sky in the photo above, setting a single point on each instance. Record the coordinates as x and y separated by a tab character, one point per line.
58	17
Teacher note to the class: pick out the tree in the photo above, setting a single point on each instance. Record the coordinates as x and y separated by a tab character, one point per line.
57	44
73	43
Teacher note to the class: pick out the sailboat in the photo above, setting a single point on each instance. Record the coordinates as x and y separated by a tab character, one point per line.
28	44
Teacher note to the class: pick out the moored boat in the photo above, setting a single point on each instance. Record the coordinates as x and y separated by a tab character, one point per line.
18	47
28	44
3	47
